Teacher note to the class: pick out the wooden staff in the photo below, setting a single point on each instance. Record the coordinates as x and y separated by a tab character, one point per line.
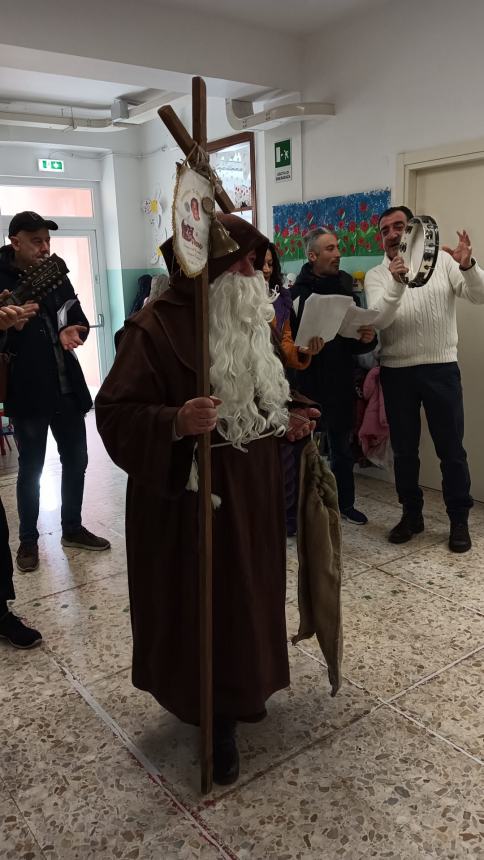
190	145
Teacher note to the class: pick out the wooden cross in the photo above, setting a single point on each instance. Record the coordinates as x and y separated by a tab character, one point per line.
194	148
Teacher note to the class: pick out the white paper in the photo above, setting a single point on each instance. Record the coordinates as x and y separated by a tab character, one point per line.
322	317
327	316
356	318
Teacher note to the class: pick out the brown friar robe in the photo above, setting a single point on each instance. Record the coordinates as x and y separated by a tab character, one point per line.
153	375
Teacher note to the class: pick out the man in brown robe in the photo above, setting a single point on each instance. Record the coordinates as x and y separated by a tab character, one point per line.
148	415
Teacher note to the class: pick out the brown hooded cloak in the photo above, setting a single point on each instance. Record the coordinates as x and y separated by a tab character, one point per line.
153	375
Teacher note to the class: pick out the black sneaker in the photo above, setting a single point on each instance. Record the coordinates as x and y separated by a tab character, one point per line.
28	556
225	752
351	515
17	633
83	539
459	538
409	525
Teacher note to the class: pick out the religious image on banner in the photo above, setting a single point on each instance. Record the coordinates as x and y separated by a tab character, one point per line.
352	217
193	205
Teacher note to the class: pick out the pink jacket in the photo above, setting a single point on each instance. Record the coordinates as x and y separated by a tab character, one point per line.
373	433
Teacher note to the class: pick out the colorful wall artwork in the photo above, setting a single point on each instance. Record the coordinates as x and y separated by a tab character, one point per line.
353	217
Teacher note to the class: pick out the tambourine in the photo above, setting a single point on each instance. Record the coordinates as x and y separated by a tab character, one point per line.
419	248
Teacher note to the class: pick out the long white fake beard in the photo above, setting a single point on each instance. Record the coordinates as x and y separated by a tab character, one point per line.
245	372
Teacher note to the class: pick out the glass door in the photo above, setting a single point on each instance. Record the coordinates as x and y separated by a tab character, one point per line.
79	250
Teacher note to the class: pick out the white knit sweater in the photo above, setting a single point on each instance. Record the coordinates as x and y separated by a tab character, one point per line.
418	326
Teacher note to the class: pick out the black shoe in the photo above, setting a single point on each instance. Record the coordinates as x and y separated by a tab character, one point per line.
225	752
17	633
28	556
83	539
459	538
351	515
409	525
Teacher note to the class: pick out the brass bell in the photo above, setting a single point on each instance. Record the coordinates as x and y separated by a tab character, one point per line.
221	242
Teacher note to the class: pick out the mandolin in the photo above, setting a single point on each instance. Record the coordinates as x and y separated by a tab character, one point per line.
37	282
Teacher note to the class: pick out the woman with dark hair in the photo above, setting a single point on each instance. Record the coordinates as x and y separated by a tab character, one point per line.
296	357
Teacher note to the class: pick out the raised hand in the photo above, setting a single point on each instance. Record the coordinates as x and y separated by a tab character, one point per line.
462	253
197	416
70	337
398	269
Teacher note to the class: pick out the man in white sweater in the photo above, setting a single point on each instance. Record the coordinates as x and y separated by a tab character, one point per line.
418	359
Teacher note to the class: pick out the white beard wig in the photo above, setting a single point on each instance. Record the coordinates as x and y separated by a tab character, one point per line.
245	372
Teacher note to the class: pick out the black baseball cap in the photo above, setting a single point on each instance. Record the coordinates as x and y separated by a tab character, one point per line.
30	222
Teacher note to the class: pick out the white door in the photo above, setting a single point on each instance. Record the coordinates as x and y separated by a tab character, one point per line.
79	250
453	195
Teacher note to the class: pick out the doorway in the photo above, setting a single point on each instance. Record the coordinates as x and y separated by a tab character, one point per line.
452	193
79	250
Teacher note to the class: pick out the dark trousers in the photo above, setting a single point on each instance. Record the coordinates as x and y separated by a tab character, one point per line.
6	567
69	431
342	462
438	388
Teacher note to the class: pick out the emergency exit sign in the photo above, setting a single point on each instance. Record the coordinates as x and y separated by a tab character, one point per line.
282	160
50	166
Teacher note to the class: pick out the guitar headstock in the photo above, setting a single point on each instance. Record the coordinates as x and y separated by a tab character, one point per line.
38	281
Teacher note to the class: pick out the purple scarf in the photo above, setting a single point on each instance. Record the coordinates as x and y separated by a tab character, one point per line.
282	308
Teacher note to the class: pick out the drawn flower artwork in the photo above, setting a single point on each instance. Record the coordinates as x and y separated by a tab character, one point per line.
353	218
152	208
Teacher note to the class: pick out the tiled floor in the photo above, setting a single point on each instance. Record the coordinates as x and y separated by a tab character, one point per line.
392	767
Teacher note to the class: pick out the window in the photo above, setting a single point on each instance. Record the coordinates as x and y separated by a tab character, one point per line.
64	202
233	158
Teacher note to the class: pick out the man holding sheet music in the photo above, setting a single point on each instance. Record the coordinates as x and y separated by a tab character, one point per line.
332	314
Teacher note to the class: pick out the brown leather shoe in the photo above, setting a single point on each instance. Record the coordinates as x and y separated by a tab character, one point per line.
28	556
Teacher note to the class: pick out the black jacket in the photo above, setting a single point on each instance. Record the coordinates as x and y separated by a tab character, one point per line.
33	382
329	377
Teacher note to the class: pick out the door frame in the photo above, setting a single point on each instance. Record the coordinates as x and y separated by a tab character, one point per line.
410	163
103	336
74	224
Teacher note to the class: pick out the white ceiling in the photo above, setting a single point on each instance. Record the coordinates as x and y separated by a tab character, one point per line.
300	18
27	88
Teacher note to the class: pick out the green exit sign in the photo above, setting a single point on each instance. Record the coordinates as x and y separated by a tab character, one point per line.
49	165
282	160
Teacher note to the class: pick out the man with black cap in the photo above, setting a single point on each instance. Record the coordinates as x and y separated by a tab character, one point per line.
46	388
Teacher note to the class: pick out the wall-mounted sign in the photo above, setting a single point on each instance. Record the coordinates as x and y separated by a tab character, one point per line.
47	165
282	160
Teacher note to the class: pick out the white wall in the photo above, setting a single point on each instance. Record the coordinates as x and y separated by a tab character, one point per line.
404	79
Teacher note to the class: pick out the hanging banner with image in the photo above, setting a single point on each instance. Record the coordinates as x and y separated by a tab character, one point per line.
193	204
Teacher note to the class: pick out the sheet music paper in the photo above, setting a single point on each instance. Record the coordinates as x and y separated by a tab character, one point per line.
322	317
327	316
356	318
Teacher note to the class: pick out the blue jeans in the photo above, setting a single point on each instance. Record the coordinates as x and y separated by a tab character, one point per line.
438	388
69	431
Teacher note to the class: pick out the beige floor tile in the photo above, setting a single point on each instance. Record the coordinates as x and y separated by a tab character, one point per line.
63	568
183	842
452	704
87	628
396	634
296	717
381	788
33	674
102	805
457	576
16	841
370	543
